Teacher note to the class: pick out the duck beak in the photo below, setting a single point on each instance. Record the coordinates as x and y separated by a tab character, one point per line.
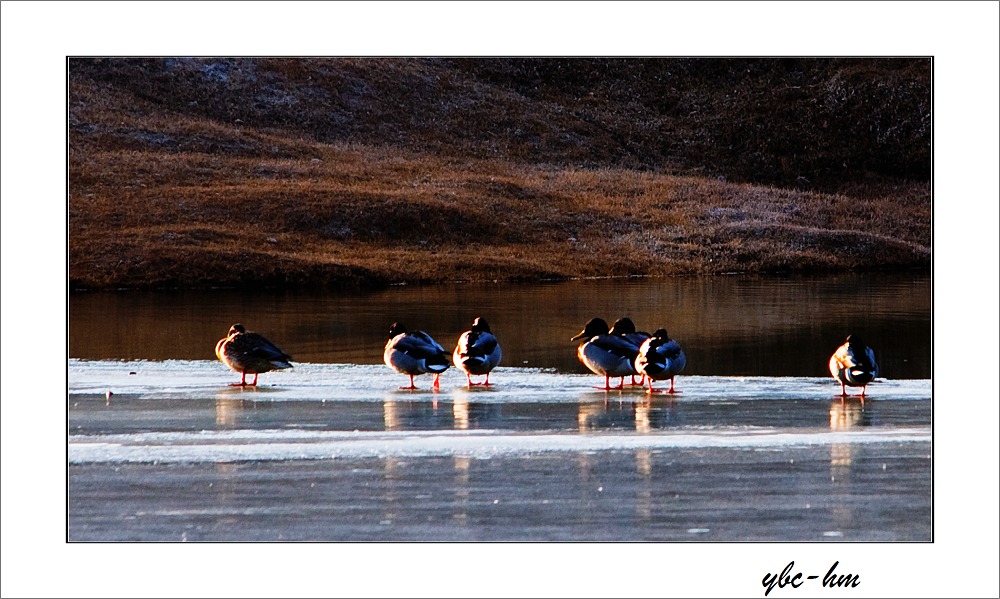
581	335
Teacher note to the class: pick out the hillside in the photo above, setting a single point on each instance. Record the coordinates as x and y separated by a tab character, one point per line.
366	171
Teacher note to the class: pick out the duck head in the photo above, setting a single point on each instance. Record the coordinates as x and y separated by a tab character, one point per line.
397	328
237	329
855	340
596	326
622	326
480	325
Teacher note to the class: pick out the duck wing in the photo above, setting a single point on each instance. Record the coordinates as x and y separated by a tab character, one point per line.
254	345
671	350
658	348
852	355
861	362
870	355
862	357
420	345
477	344
638	338
616	345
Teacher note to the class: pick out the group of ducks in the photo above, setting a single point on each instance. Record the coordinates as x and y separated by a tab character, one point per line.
412	353
618	351
622	351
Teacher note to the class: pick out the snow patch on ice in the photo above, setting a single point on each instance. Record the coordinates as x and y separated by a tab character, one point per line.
246	445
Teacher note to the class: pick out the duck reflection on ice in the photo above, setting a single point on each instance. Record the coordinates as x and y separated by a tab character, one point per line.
422	415
462	465
640	416
469	415
849	413
227	409
413	415
845	414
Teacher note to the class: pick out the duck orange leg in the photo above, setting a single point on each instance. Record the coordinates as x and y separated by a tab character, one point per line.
651	390
607	384
412	386
485	383
242	383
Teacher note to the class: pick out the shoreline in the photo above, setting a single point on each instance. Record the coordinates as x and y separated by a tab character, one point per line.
381	284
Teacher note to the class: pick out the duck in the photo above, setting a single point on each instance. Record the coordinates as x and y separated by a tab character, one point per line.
250	353
853	365
660	358
414	353
605	354
477	352
624	327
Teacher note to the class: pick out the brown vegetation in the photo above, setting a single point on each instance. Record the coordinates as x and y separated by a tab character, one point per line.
321	172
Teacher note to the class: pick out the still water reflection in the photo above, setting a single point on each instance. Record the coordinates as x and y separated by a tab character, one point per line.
728	325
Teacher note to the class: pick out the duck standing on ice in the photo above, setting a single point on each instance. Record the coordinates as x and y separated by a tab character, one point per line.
605	354
660	359
477	352
853	365
624	327
414	353
250	353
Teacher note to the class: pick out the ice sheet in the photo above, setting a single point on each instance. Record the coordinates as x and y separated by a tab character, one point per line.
352	382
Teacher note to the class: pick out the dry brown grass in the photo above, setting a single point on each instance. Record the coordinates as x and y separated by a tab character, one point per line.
354	215
161	197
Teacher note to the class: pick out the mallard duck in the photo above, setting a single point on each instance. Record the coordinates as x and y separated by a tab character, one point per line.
250	353
605	354
477	351
660	358
414	353
853	364
624	327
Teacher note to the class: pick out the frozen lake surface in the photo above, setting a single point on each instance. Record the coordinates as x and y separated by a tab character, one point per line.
337	452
